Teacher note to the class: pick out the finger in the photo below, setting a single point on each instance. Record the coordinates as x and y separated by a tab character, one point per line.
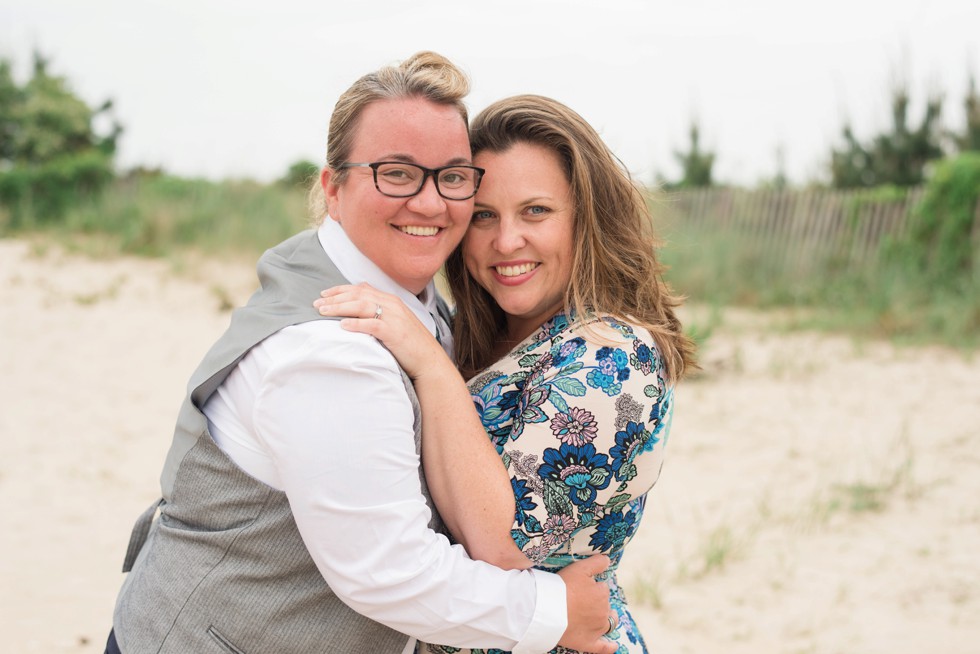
595	564
329	307
362	326
602	646
350	295
347	308
357	303
335	290
357	289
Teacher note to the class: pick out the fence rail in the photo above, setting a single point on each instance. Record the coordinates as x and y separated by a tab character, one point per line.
803	228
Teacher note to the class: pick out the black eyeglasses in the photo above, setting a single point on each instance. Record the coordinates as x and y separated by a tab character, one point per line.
398	179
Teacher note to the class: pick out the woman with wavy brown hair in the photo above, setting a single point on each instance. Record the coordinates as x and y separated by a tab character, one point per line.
566	331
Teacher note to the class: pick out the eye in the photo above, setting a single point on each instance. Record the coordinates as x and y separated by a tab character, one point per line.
398	174
454	177
482	215
537	210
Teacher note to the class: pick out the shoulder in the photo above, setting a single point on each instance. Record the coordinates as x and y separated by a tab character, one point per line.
324	343
605	333
614	355
599	334
317	366
595	327
603	327
285	249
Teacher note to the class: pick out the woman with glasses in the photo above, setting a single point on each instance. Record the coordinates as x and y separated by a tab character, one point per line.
566	333
293	516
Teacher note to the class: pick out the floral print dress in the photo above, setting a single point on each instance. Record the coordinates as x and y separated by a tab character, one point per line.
581	424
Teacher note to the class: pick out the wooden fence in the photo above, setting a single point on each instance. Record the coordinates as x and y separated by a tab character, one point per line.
798	229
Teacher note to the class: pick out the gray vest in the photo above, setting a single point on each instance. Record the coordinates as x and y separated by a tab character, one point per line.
224	569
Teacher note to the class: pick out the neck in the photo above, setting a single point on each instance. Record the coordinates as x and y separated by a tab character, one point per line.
516	331
504	345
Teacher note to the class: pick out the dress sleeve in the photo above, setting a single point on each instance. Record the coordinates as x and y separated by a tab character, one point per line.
587	439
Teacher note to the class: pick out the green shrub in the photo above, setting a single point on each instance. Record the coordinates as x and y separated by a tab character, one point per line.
938	247
51	157
38	194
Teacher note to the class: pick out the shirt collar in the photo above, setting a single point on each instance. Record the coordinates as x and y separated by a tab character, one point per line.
358	269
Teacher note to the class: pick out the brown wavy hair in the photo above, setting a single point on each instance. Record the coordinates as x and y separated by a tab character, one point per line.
425	75
614	269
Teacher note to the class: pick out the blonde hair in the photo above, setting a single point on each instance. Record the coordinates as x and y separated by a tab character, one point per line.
614	270
425	74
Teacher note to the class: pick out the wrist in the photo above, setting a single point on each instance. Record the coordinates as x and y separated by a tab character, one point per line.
437	368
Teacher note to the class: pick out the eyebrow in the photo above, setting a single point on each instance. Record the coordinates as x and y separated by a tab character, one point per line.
455	161
523	203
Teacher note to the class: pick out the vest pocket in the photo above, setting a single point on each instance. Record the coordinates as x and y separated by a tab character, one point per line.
224	642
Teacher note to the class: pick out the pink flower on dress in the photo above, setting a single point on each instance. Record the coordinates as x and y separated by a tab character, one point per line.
537	553
557	529
577	427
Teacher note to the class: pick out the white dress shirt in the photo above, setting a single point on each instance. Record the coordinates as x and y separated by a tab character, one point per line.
321	414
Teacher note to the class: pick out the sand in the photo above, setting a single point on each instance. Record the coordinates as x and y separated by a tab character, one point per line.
820	495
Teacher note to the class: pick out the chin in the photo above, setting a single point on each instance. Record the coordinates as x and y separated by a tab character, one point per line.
520	312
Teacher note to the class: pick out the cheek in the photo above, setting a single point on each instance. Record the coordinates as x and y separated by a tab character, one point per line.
472	247
461	213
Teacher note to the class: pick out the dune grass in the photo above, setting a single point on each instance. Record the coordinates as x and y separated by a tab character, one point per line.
156	215
907	292
919	293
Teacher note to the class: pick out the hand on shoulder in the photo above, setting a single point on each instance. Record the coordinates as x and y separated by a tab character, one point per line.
367	310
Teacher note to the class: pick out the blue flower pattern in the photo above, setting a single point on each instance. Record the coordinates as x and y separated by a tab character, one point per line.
579	471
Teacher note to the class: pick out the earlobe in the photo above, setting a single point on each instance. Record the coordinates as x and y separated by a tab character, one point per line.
330	193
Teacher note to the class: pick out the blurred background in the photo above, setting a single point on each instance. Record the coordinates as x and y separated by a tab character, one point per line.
796	145
204	90
813	170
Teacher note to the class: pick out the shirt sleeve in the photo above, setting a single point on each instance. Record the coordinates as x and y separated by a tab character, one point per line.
332	412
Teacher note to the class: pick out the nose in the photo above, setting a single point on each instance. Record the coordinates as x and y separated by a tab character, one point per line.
427	202
510	236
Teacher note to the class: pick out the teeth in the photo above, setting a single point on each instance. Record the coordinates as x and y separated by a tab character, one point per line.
514	271
417	230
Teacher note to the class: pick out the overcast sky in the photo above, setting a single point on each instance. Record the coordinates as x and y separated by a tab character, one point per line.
242	89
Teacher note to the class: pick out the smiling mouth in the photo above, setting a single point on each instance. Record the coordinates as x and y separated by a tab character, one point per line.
514	271
418	230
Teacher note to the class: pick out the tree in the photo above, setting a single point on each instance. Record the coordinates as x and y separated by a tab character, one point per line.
897	157
779	181
969	141
10	99
50	153
695	164
300	174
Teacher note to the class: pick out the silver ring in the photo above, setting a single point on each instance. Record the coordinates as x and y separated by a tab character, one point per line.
378	312
612	625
